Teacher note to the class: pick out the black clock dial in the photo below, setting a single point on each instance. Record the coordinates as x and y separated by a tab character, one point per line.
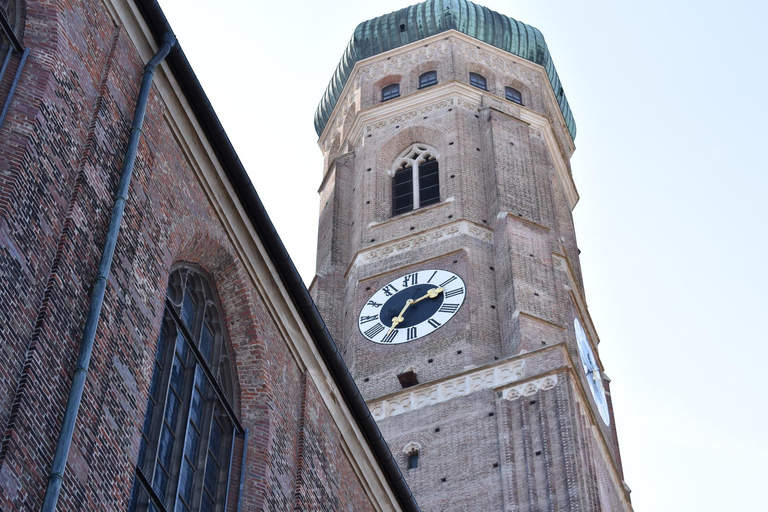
418	312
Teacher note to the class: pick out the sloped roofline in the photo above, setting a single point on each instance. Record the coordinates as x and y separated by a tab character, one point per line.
431	17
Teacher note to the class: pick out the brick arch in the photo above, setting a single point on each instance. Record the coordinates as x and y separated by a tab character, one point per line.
203	243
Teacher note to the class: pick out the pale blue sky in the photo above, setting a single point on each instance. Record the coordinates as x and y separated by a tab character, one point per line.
671	170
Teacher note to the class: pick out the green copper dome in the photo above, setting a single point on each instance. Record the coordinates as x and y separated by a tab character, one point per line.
428	18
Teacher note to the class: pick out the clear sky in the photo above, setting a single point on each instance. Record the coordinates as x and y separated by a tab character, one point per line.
672	223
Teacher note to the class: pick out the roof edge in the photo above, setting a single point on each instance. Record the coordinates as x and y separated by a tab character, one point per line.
249	198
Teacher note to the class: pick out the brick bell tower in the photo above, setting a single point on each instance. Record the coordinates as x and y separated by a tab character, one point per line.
447	264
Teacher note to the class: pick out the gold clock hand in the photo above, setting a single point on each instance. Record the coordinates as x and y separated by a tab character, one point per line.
399	318
434	292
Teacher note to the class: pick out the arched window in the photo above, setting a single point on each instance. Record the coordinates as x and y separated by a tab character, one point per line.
427	79
389	92
478	81
416	182
412	451
514	95
190	424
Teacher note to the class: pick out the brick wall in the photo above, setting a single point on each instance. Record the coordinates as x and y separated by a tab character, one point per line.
63	145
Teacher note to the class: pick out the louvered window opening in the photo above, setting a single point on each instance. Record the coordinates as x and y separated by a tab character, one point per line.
189	434
478	81
427	79
416	182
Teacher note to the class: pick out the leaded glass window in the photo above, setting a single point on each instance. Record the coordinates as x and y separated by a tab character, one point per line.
416	181
190	427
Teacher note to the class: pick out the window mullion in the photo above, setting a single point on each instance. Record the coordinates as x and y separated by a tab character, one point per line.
204	366
147	487
415	178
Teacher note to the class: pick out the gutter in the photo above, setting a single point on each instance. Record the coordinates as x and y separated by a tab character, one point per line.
64	441
290	277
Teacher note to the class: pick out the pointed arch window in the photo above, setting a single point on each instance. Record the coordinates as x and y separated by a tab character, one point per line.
416	180
190	428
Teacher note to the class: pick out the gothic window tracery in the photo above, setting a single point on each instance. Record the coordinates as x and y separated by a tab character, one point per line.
416	180
189	427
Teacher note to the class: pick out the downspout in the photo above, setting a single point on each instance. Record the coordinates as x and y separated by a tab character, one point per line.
64	442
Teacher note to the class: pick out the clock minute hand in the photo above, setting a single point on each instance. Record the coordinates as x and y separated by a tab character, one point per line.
434	292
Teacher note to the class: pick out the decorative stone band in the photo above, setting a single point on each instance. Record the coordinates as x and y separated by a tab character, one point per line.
425	238
529	388
485	378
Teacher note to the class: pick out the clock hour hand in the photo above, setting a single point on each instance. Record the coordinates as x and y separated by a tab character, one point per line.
434	292
399	318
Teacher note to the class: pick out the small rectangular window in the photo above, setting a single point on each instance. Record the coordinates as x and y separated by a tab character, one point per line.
513	95
478	81
427	79
389	92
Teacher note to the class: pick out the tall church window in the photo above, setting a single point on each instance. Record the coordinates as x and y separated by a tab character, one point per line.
416	181
478	81
190	425
427	79
513	95
390	92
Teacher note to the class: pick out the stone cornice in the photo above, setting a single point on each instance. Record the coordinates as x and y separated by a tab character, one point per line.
419	240
478	379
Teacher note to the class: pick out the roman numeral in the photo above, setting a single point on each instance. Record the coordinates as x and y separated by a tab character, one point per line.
365	319
448	281
373	331
410	280
390	337
374	304
434	323
448	308
430	277
389	290
452	293
411	333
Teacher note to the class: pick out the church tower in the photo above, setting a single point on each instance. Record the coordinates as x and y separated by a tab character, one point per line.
447	266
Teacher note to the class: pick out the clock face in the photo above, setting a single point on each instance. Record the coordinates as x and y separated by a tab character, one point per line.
411	306
589	363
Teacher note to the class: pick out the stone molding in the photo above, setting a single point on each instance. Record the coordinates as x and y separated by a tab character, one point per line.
423	238
529	388
486	378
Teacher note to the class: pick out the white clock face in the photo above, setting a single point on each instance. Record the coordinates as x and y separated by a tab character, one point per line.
411	306
592	371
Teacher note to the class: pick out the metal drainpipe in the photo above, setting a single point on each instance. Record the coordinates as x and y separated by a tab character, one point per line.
56	474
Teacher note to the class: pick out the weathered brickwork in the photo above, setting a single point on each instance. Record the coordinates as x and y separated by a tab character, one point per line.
504	225
63	144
